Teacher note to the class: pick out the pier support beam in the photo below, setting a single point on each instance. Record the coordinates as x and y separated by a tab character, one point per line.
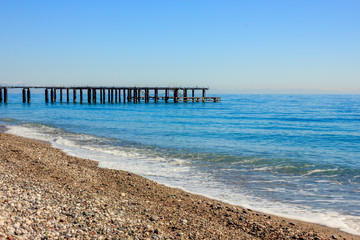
52	95
24	95
116	95
1	95
176	94
61	95
112	96
119	95
185	95
67	95
124	95
28	95
156	91
46	95
81	95
193	95
74	95
89	95
135	95
129	95
147	97
5	95
94	95
55	94
166	95
108	95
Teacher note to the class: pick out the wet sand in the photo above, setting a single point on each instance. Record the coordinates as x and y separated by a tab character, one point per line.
2	128
46	194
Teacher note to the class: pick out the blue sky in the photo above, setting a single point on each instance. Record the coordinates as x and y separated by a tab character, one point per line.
254	46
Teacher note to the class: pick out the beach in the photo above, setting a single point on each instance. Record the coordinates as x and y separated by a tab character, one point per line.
46	194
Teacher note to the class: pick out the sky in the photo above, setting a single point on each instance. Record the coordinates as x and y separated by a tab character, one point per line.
230	46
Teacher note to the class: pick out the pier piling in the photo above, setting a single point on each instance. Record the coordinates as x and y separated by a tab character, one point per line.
46	95
166	95
23	95
5	95
28	95
94	95
176	95
135	95
81	95
74	95
51	95
156	92
147	97
129	95
89	95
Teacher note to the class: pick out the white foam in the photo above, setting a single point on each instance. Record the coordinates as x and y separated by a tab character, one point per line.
320	171
262	169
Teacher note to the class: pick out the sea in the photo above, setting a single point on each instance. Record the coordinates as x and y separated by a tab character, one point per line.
295	156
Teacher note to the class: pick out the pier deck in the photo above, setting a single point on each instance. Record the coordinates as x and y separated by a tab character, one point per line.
112	95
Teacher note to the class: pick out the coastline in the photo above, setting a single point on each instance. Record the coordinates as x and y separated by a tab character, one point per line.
48	193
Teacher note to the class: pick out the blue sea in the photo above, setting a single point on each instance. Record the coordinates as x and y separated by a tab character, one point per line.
296	156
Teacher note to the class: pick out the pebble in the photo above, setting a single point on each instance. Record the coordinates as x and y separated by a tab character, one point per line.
154	218
184	221
16	225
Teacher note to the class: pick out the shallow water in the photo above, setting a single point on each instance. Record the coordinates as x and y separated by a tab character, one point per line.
293	155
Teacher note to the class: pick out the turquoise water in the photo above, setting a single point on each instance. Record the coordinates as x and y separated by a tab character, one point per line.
292	155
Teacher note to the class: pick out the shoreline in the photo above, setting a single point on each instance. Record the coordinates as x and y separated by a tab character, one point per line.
48	193
3	128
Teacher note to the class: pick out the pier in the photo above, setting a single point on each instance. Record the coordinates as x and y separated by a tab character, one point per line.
112	95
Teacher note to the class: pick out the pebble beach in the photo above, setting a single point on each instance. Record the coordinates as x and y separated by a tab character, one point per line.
46	194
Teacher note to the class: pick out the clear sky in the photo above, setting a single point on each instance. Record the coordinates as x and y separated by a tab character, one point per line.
238	45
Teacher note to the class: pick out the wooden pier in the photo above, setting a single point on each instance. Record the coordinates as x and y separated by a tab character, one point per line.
112	94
